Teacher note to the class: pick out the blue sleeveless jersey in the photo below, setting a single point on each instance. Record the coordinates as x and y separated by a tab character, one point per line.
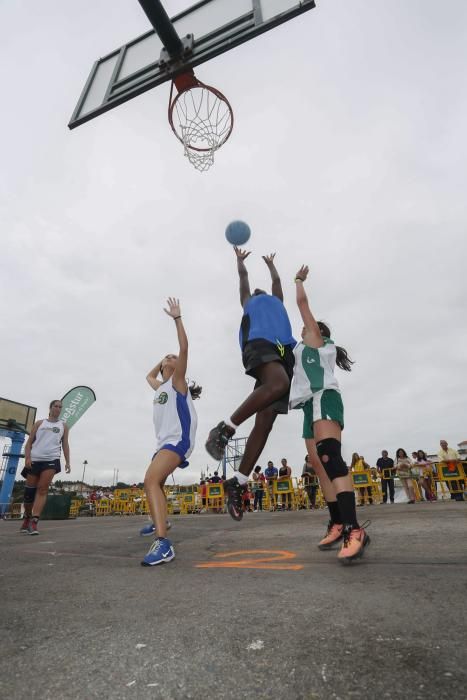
265	318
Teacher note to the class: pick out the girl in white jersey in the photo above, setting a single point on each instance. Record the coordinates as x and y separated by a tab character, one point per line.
42	462
316	390
175	424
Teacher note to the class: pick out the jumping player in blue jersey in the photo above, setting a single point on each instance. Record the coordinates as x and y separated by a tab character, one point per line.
175	424
267	345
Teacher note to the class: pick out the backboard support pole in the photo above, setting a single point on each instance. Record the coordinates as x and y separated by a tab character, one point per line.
10	463
164	28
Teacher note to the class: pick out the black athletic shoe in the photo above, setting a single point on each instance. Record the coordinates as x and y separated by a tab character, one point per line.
218	439
234	493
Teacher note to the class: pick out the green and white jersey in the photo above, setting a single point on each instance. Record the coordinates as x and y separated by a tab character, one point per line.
313	372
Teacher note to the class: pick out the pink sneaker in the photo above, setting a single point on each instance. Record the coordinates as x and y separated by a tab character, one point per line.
355	541
333	535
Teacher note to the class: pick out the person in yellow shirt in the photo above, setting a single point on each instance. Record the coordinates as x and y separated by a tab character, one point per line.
446	455
358	464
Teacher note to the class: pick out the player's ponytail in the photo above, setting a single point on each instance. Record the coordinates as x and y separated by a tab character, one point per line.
343	360
195	390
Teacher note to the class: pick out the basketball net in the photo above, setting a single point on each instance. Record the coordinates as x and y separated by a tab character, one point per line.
201	118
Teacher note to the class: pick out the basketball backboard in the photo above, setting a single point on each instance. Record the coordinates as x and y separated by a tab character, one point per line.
16	416
207	29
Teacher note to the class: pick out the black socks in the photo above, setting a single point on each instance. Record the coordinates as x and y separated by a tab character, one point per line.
346	504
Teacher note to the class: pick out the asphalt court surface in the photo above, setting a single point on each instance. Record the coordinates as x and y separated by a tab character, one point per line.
246	610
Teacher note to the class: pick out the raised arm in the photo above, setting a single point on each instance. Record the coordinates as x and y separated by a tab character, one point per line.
178	377
313	334
276	288
245	293
151	377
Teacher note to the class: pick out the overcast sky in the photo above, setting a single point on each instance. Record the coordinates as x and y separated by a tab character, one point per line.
348	153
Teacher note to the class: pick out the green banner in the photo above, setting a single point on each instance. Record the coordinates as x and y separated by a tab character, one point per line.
75	403
360	479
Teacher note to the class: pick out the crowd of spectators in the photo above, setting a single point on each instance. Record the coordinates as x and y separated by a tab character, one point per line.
415	473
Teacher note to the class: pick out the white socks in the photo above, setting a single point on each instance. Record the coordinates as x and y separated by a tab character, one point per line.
241	478
230	424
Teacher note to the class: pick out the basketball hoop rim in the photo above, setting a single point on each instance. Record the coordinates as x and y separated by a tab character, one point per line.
190	81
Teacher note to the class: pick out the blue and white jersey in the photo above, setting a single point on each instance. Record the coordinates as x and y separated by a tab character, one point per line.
175	420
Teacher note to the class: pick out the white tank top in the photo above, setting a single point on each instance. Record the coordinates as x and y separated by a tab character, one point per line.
48	441
313	372
175	419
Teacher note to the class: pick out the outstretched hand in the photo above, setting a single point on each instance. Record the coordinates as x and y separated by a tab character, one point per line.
269	259
241	254
302	274
174	307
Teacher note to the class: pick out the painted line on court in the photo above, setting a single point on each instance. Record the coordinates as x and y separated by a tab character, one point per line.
82	555
256	559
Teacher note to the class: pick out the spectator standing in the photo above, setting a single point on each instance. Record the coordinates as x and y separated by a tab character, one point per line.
285	472
271	475
215	478
202	492
310	481
358	464
258	478
404	472
246	499
417	474
385	467
447	455
425	474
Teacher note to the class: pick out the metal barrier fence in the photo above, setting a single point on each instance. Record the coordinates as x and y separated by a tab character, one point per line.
442	480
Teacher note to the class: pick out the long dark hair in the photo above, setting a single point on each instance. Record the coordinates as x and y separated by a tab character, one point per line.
404	456
195	390
423	457
343	360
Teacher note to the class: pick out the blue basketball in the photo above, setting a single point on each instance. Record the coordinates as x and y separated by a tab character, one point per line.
237	232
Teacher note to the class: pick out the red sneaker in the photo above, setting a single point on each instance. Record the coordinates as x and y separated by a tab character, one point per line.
333	535
33	527
355	541
24	529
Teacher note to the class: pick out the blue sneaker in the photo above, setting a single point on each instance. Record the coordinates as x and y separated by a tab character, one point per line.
160	552
147	530
150	529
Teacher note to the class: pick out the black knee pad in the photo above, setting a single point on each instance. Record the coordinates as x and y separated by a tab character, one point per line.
29	494
334	465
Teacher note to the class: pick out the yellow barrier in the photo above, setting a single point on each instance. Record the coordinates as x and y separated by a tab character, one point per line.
74	508
287	492
283	487
453	474
188	503
103	506
215	497
15	510
368	490
304	483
